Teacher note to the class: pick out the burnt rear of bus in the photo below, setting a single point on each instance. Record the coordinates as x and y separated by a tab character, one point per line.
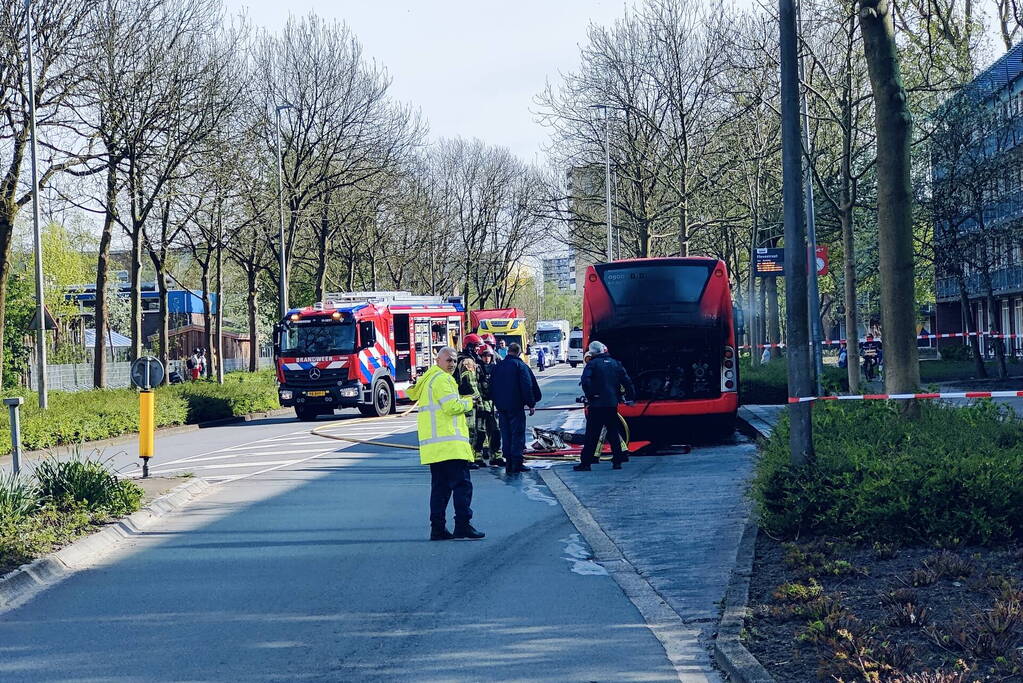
669	321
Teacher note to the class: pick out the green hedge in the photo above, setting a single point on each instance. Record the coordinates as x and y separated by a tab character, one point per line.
768	384
953	476
79	416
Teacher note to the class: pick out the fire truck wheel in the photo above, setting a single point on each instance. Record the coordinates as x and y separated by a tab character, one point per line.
306	414
383	400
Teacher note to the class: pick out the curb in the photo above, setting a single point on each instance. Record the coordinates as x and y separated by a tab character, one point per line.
681	641
17	586
162	431
729	652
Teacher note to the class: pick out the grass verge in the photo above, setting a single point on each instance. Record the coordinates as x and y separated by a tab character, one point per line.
74	417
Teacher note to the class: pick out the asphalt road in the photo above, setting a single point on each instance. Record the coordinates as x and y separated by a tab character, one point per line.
310	561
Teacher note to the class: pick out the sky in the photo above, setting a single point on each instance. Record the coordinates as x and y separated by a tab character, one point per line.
473	68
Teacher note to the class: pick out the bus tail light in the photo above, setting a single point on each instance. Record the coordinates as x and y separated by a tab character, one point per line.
729	373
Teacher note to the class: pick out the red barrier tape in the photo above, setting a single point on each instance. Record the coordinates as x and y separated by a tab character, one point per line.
943	335
908	397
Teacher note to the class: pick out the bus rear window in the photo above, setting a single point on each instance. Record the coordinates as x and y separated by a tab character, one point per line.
645	285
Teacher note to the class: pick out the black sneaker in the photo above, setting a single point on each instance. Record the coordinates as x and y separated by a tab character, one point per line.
497	462
440	534
523	468
582	467
468	532
473	466
616	465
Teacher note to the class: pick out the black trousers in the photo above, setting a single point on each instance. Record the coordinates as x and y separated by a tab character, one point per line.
596	420
450	478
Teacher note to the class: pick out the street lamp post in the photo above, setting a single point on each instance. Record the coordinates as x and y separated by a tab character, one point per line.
40	307
282	284
607	172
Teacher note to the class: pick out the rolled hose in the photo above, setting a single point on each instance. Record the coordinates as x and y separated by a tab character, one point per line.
315	431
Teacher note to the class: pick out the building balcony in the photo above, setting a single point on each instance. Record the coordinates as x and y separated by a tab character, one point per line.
1004	281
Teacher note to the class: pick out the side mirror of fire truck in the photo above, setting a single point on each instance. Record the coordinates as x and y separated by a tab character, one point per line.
367	334
278	331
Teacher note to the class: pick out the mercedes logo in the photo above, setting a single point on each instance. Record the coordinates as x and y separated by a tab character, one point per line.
314	373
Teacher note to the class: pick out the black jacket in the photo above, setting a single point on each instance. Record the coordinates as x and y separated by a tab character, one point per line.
513	385
604	381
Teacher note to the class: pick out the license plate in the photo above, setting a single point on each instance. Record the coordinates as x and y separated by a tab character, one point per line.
316	393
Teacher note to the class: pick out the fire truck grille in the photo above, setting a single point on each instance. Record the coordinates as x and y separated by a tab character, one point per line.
301	378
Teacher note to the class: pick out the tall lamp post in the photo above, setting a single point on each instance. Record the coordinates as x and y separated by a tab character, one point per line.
607	172
40	307
282	284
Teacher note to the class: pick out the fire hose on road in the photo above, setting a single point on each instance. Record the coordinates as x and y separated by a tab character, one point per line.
572	454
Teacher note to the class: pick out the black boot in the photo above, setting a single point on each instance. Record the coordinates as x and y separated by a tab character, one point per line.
467	532
582	467
616	465
440	533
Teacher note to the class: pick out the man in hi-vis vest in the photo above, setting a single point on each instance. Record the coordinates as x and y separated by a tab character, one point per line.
444	446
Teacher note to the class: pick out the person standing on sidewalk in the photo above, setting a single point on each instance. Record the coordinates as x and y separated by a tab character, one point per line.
444	446
513	388
604	383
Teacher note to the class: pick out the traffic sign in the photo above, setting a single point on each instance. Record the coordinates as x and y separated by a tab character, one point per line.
146	373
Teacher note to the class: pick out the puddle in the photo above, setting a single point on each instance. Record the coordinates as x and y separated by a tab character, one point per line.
537	491
579	555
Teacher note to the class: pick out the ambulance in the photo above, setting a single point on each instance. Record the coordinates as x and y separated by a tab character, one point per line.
361	349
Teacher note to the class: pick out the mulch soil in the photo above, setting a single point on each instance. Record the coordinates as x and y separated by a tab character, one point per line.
883	613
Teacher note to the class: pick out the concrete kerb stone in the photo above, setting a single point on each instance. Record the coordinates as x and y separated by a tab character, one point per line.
729	652
679	639
17	586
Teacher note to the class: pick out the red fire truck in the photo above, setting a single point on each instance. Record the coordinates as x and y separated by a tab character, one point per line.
671	323
361	349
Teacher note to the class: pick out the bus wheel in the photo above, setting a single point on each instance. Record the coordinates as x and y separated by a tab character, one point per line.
383	400
306	414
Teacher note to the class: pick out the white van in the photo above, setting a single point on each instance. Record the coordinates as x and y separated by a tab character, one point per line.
575	347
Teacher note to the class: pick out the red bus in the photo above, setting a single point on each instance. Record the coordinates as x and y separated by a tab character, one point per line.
670	322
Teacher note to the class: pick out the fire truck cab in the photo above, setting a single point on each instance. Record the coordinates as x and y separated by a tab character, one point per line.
360	349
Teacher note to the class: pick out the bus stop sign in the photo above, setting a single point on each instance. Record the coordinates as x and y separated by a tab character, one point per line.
769	262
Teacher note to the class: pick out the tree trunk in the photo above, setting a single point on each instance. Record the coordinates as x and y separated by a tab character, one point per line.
852	335
6	242
321	259
161	285
973	340
220	312
207	317
773	322
683	219
101	318
251	303
136	293
995	317
893	124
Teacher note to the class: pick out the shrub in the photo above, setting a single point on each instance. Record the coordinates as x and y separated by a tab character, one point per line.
18	497
86	481
953	476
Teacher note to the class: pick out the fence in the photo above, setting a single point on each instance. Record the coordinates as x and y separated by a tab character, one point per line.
78	376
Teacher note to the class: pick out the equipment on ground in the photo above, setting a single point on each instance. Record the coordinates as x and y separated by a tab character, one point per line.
361	349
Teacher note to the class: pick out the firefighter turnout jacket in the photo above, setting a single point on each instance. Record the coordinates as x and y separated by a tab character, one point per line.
443	432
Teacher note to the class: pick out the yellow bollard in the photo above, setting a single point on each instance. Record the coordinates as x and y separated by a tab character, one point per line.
147	425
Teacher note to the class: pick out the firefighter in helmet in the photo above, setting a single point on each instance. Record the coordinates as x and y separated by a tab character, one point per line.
467	374
486	413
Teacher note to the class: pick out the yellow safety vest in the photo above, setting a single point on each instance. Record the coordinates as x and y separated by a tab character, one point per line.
443	433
